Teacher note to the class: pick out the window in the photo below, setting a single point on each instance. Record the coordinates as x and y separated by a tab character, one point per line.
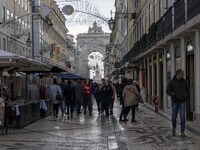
146	20
4	44
154	11
3	14
143	23
8	15
150	14
168	3
25	4
22	3
160	8
8	45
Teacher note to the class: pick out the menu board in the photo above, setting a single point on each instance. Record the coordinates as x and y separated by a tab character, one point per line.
2	111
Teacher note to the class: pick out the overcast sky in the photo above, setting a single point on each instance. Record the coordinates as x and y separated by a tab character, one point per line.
76	24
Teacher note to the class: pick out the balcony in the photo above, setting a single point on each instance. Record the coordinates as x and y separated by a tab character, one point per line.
164	26
160	29
167	22
179	13
193	8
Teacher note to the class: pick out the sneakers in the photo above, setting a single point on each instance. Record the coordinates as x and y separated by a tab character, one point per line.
173	132
183	135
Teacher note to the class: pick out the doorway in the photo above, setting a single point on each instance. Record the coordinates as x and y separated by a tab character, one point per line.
190	83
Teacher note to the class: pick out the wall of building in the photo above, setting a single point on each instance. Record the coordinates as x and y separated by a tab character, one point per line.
177	36
15	26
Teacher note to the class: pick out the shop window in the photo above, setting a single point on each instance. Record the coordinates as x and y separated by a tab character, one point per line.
189	47
4	44
169	76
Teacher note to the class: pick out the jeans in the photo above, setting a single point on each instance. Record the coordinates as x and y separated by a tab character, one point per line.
87	102
63	105
78	107
178	107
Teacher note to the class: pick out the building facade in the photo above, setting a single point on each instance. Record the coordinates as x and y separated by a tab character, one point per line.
23	19
164	37
15	26
50	35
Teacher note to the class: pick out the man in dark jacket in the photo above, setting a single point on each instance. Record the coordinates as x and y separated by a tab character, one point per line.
106	93
177	89
63	87
78	96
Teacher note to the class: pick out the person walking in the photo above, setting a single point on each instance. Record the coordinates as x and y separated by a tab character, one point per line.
114	95
79	92
106	96
97	96
87	102
122	114
70	96
63	87
177	89
131	98
54	91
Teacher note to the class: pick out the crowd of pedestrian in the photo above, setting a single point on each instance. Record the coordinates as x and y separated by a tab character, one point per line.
81	94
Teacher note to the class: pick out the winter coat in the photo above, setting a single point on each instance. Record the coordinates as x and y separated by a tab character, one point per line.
120	94
78	92
87	89
131	95
106	93
177	89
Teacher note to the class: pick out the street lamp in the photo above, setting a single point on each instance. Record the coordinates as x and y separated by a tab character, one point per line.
111	24
28	41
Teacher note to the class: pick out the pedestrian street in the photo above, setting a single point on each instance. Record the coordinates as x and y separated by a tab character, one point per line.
83	132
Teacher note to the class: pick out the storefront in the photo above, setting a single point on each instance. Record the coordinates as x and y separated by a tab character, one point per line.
19	89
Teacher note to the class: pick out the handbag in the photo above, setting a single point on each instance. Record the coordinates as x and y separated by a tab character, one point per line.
58	96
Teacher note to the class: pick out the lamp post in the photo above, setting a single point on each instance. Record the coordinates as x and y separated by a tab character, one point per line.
107	60
111	24
28	41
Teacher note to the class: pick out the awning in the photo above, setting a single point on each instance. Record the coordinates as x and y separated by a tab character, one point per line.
57	69
20	63
66	75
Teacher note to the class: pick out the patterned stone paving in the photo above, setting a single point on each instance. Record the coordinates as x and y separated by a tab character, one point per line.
151	132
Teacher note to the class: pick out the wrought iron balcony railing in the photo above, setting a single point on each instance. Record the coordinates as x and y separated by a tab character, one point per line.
160	29
167	21
179	13
193	8
163	27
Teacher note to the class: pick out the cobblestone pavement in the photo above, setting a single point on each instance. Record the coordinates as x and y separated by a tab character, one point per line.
84	132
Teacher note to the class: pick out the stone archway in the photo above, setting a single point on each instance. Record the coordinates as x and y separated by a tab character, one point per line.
88	43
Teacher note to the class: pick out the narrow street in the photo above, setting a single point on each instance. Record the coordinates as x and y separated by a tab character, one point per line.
151	132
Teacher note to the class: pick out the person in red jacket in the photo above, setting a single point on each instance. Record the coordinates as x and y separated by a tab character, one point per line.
87	101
